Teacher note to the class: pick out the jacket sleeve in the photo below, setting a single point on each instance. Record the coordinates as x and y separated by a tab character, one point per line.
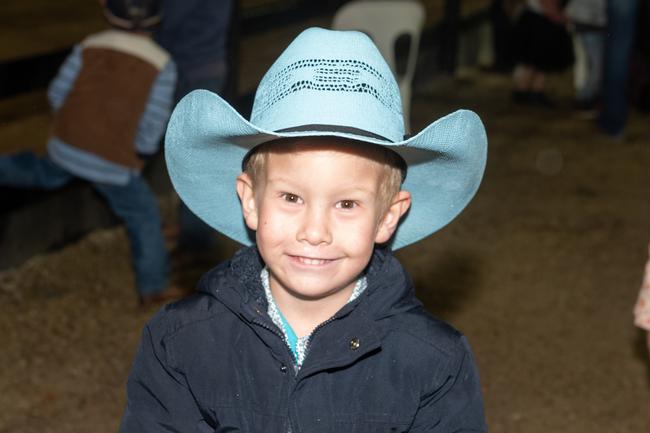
156	113
60	86
456	406
158	399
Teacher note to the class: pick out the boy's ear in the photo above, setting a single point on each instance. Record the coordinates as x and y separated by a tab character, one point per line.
388	224
247	198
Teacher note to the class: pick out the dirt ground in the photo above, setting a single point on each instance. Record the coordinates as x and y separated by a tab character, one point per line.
540	272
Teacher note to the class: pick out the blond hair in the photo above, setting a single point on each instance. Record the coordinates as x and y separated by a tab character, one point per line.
390	162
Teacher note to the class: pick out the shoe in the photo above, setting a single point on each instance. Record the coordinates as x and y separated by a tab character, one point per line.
617	136
169	294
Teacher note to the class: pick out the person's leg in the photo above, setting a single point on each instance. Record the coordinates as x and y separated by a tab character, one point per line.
136	205
538	93
501	36
594	45
209	75
195	236
26	170
621	31
538	81
522	77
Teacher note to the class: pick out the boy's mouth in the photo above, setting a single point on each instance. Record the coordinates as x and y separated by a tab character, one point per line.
310	261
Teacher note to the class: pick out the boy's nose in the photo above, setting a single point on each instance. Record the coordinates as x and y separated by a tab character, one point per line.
315	228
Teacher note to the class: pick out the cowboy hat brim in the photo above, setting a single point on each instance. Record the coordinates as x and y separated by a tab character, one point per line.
207	140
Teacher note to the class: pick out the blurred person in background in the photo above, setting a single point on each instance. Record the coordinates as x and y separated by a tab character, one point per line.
111	100
541	45
641	62
642	307
197	34
621	27
588	19
502	15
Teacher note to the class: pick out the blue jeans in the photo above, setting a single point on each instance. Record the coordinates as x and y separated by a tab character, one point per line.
133	203
621	30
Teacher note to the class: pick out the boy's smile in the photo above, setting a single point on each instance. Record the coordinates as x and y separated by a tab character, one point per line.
316	213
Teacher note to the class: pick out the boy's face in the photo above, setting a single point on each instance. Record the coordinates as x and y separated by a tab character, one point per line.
316	214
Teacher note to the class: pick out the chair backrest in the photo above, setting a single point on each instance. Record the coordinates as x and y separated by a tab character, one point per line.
385	21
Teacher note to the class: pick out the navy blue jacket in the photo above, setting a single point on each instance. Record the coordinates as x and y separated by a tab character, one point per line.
215	362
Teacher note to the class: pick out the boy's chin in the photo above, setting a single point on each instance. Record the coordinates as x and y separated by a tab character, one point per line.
314	287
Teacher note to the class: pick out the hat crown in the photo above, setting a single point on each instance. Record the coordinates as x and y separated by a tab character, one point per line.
330	79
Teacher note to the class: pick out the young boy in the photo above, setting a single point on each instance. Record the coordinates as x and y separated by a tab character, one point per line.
314	327
111	101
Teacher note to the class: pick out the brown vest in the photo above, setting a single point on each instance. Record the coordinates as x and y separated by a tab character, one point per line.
102	112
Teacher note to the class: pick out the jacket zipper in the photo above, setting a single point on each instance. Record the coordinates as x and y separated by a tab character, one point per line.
325	323
279	334
275	331
316	329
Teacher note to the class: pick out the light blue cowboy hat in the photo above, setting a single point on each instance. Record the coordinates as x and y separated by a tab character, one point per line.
326	83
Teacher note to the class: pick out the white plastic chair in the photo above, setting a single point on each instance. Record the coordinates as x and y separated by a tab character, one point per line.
385	21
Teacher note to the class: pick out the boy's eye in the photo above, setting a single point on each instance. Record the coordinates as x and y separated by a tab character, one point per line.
346	204
291	198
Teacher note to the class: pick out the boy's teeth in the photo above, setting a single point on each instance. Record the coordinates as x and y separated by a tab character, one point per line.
308	261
